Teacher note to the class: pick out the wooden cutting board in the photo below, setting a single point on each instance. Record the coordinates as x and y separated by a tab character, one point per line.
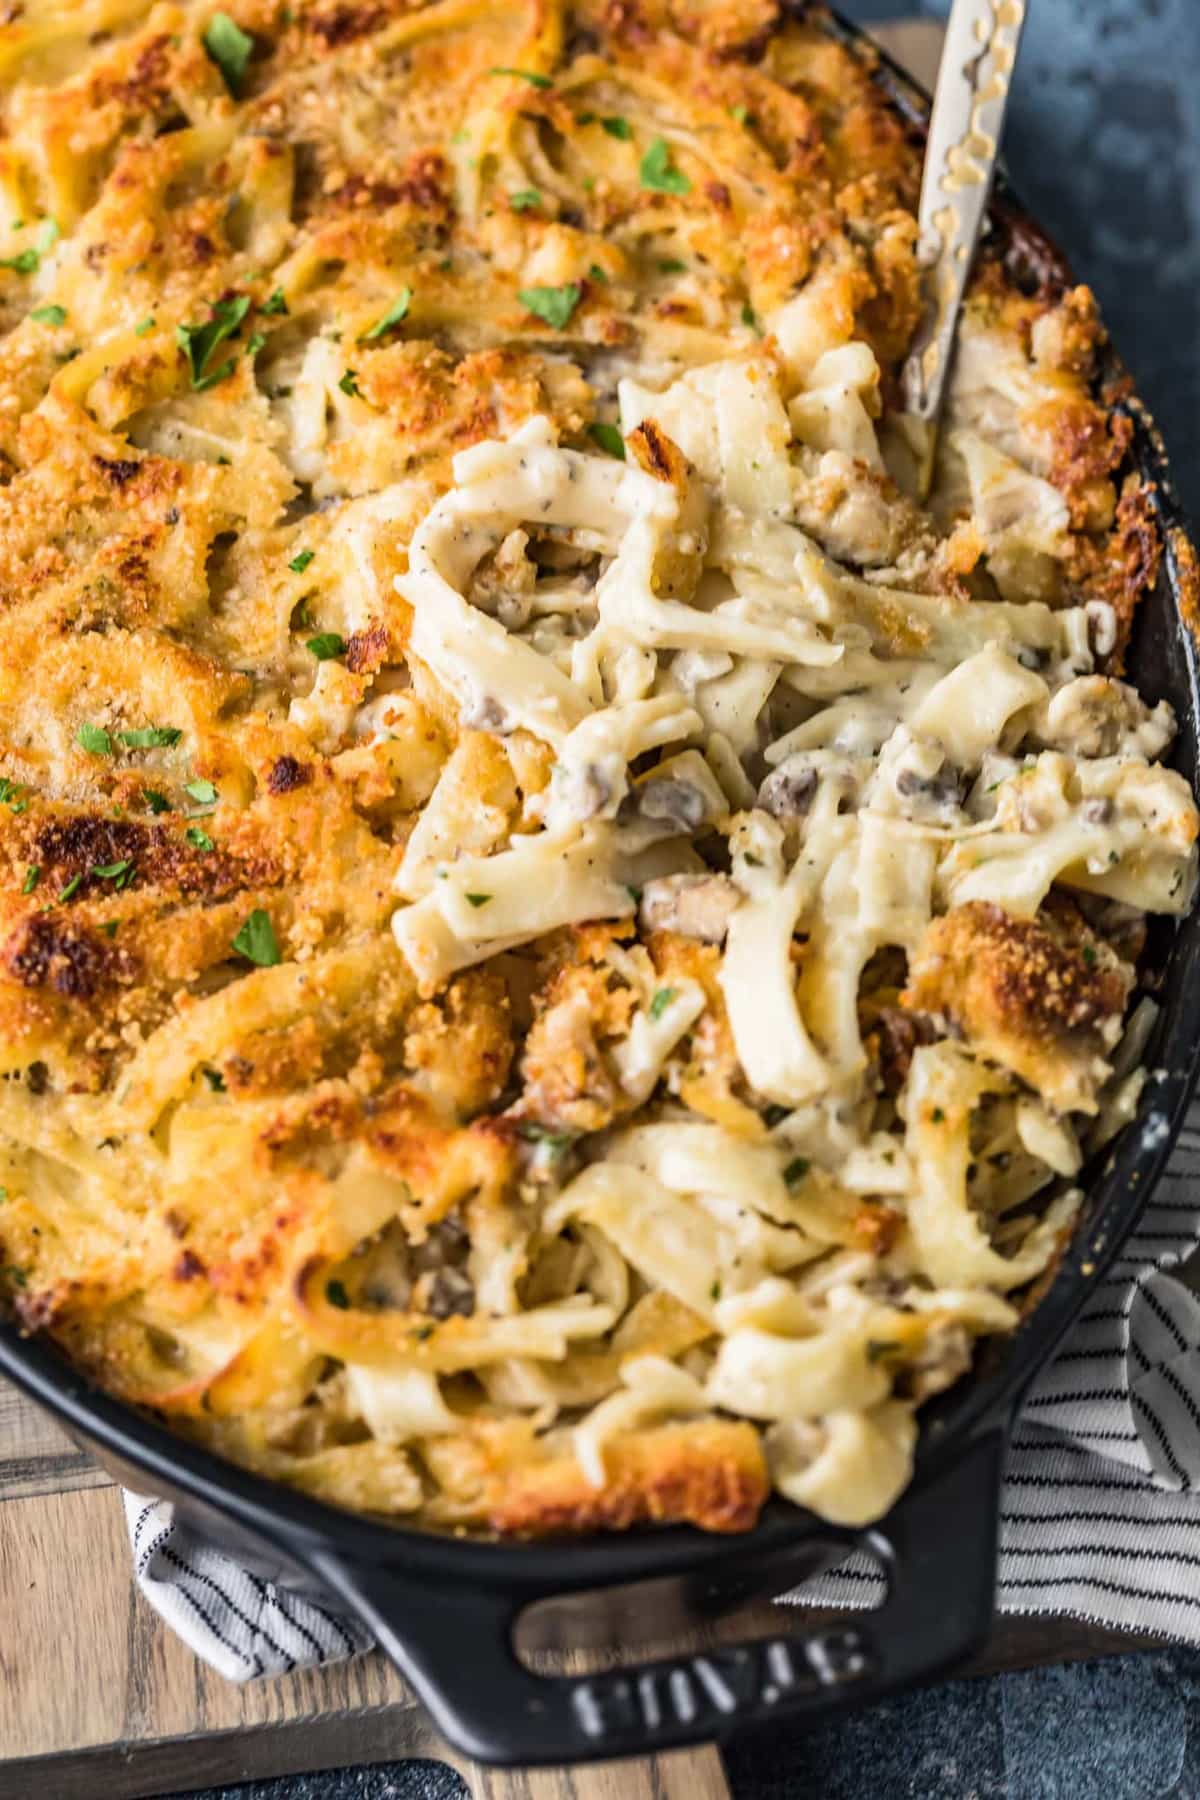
98	1697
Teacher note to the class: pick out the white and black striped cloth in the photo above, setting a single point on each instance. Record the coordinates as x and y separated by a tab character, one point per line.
1100	1517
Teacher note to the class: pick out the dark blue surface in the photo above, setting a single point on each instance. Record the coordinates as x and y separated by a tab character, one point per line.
1104	146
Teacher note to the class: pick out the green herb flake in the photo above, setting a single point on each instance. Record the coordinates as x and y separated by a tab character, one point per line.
525	200
255	343
477	899
198	342
938	1116
109	928
275	304
326	645
608	437
714	1292
71	888
553	304
349	385
748	316
335	1293
256	940
879	1349
111	871
533	1133
1089	955
796	1170
150	737
94	739
18	1277
49	315
671	265
33	875
145	328
199	839
739	113
661	1001
230	48
391	318
25	262
596	273
617	127
214	1078
158	803
301	561
658	173
534	80
202	791
49	235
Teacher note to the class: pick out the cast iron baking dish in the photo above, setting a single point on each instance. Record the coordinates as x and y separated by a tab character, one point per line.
444	1609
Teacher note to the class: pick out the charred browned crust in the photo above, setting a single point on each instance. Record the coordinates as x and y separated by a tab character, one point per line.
712	1474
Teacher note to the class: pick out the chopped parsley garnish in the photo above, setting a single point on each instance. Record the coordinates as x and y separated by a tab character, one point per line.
214	1078
796	1170
200	839
392	317
94	739
608	438
534	80
596	273
18	1277
255	343
33	875
158	803
48	236
879	1348
71	887
937	1115
198	342
477	899
150	737
25	262
326	645
748	317
230	48
661	1001
201	790
739	113
659	173
1089	955
533	1133
256	940
617	127
349	385
145	328
49	315
525	200
671	265
109	928
714	1292
276	303
111	871
301	561
335	1293
553	304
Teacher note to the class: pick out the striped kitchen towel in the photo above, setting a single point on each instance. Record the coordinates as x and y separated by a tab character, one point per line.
1100	1515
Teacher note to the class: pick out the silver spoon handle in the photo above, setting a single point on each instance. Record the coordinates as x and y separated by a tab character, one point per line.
973	87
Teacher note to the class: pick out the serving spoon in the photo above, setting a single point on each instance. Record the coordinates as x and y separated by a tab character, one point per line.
973	87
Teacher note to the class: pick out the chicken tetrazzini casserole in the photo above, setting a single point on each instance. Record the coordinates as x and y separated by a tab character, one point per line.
568	915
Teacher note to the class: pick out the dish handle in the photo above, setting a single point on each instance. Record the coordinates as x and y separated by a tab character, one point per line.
455	1645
